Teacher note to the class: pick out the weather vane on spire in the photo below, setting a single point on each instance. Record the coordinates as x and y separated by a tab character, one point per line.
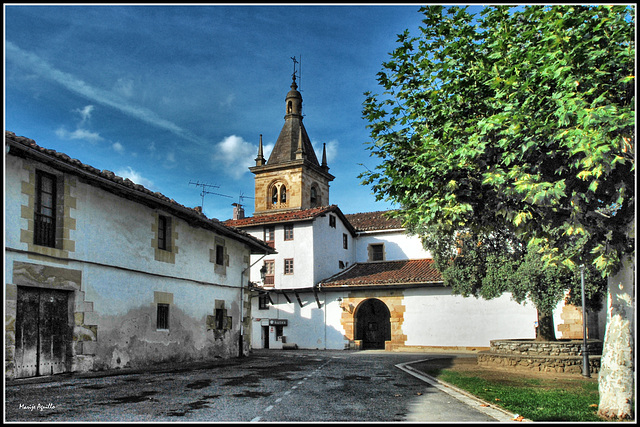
293	58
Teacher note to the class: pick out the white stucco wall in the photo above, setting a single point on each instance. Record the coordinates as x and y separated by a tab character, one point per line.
316	249
329	249
120	278
438	318
308	326
397	245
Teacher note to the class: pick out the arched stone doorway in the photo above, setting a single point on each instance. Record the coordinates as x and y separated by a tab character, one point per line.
373	324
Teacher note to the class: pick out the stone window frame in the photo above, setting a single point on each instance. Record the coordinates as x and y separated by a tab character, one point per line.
44	238
163	299
167	255
215	256
277	197
65	202
371	252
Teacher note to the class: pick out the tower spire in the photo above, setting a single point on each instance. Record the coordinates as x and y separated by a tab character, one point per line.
260	159
324	156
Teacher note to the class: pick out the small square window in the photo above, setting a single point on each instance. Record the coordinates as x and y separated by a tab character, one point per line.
288	232
163	316
288	266
376	252
263	302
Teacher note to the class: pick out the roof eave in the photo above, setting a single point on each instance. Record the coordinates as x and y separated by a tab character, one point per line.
190	216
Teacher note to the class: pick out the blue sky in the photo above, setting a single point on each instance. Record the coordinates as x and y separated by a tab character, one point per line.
167	95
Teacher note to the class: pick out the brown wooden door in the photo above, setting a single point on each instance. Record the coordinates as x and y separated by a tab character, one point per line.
42	332
373	324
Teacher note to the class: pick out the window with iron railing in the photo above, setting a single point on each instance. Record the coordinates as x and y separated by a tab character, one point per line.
269	276
164	233
45	210
162	318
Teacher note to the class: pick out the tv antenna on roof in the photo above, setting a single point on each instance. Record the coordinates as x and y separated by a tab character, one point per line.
241	197
205	191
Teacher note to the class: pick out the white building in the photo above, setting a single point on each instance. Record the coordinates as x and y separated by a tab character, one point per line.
101	273
353	281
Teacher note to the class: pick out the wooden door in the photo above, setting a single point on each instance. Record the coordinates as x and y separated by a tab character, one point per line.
42	332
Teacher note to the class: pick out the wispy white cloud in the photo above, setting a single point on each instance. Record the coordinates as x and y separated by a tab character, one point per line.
234	155
118	147
34	63
134	176
80	134
170	161
85	114
332	150
124	87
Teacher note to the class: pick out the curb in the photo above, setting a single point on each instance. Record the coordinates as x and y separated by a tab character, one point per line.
487	408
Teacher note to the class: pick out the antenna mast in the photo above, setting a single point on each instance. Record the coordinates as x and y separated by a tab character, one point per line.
205	191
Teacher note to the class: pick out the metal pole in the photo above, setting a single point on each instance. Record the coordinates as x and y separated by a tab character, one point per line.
586	370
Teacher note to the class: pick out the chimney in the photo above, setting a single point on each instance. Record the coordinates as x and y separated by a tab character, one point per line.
238	211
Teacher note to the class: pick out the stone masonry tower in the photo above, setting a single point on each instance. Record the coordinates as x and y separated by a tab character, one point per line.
292	179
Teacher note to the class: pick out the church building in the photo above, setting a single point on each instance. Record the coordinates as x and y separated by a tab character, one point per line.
351	281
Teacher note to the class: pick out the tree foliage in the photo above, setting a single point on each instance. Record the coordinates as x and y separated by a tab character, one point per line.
520	119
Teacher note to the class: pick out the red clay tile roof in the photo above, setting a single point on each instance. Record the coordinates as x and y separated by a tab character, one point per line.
292	216
369	221
124	187
403	272
300	215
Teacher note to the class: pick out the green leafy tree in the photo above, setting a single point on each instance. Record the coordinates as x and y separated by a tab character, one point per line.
519	119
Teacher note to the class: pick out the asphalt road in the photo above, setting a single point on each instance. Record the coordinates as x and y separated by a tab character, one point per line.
268	386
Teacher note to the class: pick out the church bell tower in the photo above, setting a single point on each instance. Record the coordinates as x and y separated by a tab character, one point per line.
292	179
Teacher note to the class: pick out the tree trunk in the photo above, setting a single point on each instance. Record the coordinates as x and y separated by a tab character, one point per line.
616	377
545	330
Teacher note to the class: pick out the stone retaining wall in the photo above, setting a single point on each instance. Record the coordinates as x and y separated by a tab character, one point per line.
550	348
562	356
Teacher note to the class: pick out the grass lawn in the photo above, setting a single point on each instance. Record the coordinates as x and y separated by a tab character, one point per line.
538	396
